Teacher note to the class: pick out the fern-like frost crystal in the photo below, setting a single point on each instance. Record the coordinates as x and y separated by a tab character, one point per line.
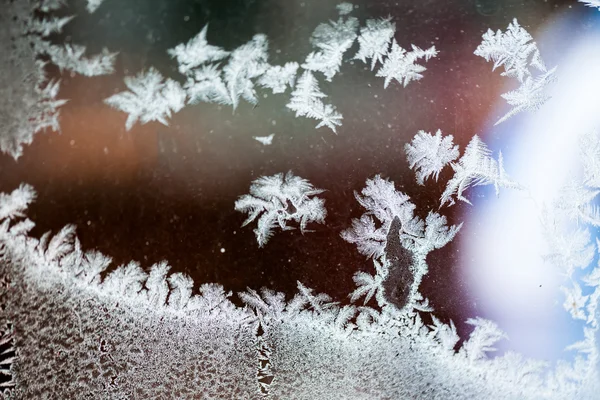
278	78
428	154
591	3
113	331
246	63
401	64
589	146
476	167
29	101
151	98
280	199
529	96
306	102
516	51
374	40
332	40
196	52
383	203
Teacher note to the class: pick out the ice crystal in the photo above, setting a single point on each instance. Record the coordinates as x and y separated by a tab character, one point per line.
518	54
569	251
71	57
266	140
29	103
576	202
514	50
333	40
374	40
529	96
589	146
428	154
484	336
196	52
280	199
575	302
591	3
368	285
7	357
151	98
400	64
383	203
306	102
344	8
476	167
206	85
131	333
278	78
92	5
246	63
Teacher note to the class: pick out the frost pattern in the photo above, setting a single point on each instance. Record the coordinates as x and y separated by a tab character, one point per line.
7	358
306	102
29	104
333	40
344	8
476	167
383	203
266	140
247	66
196	52
529	96
150	98
400	64
280	199
569	224
428	154
591	3
71	57
278	78
518	54
215	75
129	333
247	62
374	40
92	5
589	148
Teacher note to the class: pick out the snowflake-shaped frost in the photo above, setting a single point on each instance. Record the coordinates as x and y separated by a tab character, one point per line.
196	52
29	101
591	3
513	49
529	96
206	85
278	78
332	40
280	199
306	102
575	301
150	98
374	40
92	5
265	140
576	202
428	154
71	57
246	63
344	8
383	203
476	167
589	149
400	64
